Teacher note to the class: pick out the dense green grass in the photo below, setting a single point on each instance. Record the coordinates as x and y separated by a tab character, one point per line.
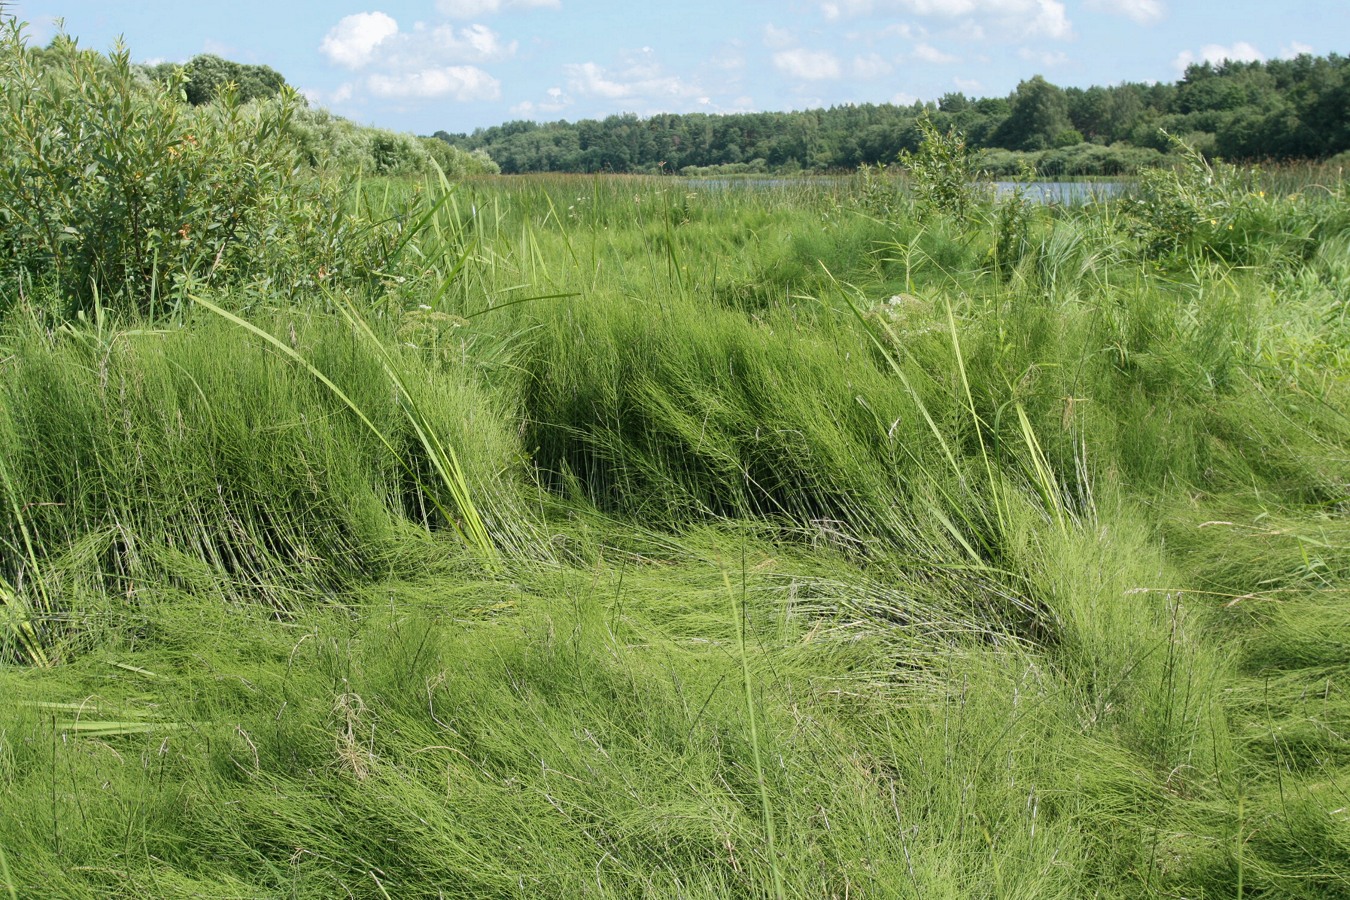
833	551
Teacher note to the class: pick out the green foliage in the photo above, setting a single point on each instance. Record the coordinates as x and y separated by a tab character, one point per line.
1039	118
331	142
878	192
753	167
1079	160
822	553
1281	109
1012	216
942	174
208	78
456	163
192	461
114	189
1069	137
1199	207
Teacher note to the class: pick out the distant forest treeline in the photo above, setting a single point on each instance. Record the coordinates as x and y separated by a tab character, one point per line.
1252	111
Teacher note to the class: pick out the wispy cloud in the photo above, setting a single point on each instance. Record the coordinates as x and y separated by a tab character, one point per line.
1047	58
463	83
1145	12
808	65
871	66
591	78
905	31
474	43
557	101
639	76
930	54
1016	18
777	38
469	9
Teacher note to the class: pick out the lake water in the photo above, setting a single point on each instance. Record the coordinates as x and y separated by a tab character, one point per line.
1066	193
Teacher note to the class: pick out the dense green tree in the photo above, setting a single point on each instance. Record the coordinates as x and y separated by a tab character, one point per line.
1040	113
207	76
1090	111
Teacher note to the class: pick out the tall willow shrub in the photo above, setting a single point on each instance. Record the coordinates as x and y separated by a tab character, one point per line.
113	187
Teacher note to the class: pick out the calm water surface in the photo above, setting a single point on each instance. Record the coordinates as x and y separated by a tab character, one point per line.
1061	192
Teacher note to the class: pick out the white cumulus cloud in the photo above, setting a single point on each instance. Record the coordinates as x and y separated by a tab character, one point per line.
1050	21
468	9
459	82
1217	53
808	65
421	62
591	78
375	39
353	40
473	43
1145	12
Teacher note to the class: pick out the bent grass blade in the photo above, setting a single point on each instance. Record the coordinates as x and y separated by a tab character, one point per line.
78	724
465	519
18	612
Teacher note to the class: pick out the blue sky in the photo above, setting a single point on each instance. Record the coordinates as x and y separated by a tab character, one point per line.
427	65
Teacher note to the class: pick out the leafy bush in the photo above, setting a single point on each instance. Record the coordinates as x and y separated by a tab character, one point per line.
208	76
942	174
329	141
756	166
1197	207
1012	229
112	188
876	191
1094	159
1079	159
457	163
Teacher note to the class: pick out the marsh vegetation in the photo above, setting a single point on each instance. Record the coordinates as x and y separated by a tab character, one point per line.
569	536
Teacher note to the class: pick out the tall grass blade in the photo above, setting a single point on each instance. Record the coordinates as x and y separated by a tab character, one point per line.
465	519
6	876
443	457
956	469
17	611
1042	474
975	420
738	613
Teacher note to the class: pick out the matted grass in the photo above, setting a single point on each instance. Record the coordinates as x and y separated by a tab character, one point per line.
830	556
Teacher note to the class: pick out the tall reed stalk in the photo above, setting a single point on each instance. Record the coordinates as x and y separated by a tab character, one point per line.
464	517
